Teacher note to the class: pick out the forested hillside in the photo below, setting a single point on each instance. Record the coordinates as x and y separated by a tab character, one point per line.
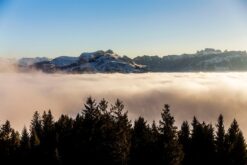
208	60
102	134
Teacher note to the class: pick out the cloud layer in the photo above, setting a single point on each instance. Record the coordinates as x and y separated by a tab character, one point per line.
204	95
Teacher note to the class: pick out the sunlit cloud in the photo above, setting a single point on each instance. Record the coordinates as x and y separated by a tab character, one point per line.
204	95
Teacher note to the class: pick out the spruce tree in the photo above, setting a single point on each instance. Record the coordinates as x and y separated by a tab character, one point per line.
48	139
90	112
171	149
202	143
209	144
88	122
185	140
103	105
105	133
122	133
236	145
64	133
25	146
141	143
35	130
155	151
5	142
220	141
25	140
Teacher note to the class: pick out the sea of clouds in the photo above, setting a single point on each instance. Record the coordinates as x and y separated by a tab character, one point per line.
205	95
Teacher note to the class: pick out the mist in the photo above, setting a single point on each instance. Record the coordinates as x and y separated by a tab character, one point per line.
205	95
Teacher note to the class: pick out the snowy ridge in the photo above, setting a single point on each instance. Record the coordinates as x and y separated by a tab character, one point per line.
110	62
99	61
63	61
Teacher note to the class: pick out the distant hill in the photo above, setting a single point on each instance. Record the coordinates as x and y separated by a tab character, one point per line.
110	62
204	60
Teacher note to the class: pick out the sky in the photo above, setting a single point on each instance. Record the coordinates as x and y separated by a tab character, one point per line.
30	28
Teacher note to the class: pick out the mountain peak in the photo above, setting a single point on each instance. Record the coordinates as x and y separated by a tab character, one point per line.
98	61
208	51
91	56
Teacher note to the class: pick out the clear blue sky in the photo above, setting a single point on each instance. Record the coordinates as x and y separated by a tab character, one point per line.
132	27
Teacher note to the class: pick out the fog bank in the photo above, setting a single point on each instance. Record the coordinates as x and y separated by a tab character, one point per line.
204	95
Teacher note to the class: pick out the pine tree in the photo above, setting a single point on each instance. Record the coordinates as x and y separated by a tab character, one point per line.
36	134
238	152
122	134
6	131
36	130
185	140
34	139
64	130
155	131
25	141
48	127
25	146
47	122
87	124
171	149
155	152
220	142
236	145
105	133
48	139
15	139
103	105
5	142
14	144
209	142
141	143
233	132
202	143
91	111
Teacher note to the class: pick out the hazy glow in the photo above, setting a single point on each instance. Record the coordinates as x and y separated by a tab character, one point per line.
205	95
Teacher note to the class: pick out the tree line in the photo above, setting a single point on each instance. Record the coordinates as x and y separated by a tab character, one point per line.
103	134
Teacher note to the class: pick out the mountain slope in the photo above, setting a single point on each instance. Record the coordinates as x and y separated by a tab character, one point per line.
205	60
94	62
110	62
26	62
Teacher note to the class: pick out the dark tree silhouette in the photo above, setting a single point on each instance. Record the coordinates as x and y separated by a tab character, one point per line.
141	143
171	149
25	141
236	145
25	146
36	130
202	143
64	128
9	142
48	139
122	133
185	141
103	134
220	141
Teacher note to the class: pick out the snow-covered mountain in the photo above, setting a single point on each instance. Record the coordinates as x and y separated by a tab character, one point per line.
110	62
99	61
64	61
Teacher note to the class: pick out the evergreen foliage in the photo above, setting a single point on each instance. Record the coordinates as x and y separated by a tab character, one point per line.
103	134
